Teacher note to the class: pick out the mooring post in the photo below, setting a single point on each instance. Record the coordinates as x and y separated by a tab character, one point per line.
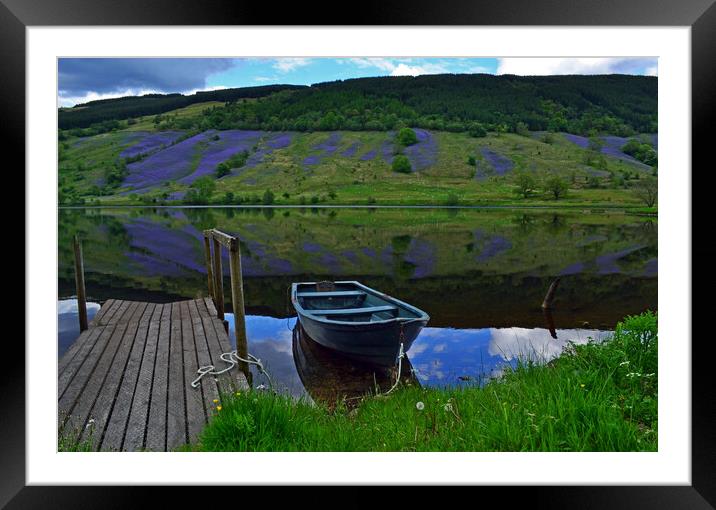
218	280
80	284
207	257
547	303
237	302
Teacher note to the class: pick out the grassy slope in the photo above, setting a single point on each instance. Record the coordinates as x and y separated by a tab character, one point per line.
594	398
354	181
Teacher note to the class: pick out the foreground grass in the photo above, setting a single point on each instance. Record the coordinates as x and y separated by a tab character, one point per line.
595	397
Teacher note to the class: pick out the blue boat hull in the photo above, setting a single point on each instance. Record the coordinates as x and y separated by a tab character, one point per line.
378	343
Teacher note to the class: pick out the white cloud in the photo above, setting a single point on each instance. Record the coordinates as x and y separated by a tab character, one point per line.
651	71
286	65
534	66
399	67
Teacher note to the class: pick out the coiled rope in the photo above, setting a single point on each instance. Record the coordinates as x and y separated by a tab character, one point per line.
233	359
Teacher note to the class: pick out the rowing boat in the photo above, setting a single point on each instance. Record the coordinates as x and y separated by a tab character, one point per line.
360	322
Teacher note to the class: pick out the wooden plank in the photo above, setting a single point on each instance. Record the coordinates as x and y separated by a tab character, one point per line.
78	414
117	423
80	368
176	408
107	398
195	414
116	318
91	403
215	351
103	309
136	427
211	309
156	434
208	384
225	239
82	344
75	376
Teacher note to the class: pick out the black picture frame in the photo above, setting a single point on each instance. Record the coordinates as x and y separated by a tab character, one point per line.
700	15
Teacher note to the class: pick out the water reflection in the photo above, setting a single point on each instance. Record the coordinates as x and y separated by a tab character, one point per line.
68	325
439	357
330	378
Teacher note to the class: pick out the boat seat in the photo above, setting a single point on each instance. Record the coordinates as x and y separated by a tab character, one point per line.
356	311
344	293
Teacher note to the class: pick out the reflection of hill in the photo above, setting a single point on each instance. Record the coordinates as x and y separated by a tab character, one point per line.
466	267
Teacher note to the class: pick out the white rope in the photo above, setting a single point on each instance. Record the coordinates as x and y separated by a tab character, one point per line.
233	359
401	355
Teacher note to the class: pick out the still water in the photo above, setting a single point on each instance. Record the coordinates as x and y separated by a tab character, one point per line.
481	275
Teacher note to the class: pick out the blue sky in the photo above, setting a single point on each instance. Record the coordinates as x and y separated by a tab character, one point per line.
86	79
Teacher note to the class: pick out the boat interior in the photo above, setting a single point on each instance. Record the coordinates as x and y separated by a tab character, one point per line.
347	302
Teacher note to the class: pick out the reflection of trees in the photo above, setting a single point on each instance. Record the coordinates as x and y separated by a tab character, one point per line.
203	219
525	223
556	225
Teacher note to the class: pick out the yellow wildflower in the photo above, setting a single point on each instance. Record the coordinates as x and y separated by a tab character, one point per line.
218	408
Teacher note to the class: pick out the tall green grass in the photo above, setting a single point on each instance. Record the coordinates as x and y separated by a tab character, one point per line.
595	397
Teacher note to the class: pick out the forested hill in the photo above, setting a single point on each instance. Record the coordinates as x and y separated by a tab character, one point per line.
102	110
620	105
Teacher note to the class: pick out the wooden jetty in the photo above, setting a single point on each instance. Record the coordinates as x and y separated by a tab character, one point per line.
125	383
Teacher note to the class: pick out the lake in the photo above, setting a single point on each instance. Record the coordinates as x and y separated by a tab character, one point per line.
481	275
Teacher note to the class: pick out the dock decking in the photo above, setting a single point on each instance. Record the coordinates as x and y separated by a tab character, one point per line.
125	383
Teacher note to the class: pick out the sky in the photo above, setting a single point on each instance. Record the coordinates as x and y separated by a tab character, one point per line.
87	79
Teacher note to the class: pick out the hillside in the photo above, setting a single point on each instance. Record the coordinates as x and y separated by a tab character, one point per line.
260	149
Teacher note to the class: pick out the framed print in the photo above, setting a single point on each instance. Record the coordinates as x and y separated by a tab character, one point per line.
480	186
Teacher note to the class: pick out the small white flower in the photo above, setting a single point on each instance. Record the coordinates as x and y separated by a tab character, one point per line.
420	406
623	363
261	387
448	407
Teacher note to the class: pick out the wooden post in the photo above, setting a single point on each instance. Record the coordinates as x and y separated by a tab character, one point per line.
547	303
207	256
237	302
218	280
80	284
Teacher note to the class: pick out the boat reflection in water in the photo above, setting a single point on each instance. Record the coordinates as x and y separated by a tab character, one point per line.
330	378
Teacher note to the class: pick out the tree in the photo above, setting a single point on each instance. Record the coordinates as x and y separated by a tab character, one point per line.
401	164
522	129
646	190
268	197
525	183
556	186
407	136
477	130
471	161
200	191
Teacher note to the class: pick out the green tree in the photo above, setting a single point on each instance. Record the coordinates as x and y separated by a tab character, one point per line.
556	186
646	190
471	161
401	164
268	197
406	137
522	129
525	183
477	130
